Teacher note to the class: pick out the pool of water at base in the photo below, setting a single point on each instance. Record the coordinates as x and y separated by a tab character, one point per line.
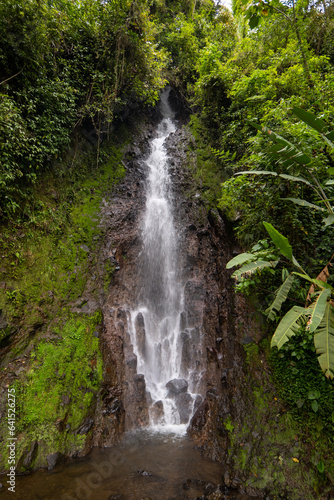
143	466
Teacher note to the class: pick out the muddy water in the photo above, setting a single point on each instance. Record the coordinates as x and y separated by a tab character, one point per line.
142	466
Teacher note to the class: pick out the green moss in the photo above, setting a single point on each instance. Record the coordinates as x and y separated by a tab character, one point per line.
47	260
61	368
252	353
60	388
209	171
270	450
109	270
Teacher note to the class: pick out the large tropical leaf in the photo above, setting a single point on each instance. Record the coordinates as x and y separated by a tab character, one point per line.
251	267
289	154
281	296
316	123
322	276
295	179
310	119
304	203
329	220
324	342
321	284
288	151
240	259
275	174
318	311
280	241
288	326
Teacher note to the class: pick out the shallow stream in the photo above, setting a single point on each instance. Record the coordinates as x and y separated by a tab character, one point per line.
143	466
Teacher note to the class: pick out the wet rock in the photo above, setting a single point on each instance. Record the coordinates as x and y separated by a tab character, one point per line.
235	483
247	340
223	379
186	352
140	334
157	412
142	472
176	386
199	419
86	426
140	383
113	263
227	479
184	404
194	294
96	334
149	399
54	459
131	361
198	401
216	495
30	455
85	306
183	320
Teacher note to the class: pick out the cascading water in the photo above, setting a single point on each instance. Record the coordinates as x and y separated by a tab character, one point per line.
156	323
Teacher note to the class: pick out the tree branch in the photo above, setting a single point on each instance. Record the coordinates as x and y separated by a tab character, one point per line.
7	80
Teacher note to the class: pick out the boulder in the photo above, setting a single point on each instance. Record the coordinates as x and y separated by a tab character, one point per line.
157	412
184	405
176	386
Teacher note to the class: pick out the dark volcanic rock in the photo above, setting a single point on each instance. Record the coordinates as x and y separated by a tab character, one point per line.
140	384
86	426
140	333
184	404
200	417
176	386
131	361
30	456
54	459
157	412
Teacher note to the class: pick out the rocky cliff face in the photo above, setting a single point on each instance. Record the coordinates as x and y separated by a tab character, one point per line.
239	420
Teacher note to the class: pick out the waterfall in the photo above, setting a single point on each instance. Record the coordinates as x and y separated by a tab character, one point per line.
156	323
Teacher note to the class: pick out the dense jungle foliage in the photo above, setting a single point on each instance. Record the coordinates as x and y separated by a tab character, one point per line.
69	66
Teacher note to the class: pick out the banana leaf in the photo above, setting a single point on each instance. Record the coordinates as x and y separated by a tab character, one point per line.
240	259
316	123
324	342
318	311
281	296
280	241
288	326
304	203
251	267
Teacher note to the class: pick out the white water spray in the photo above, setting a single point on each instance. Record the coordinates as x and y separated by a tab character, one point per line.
156	330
